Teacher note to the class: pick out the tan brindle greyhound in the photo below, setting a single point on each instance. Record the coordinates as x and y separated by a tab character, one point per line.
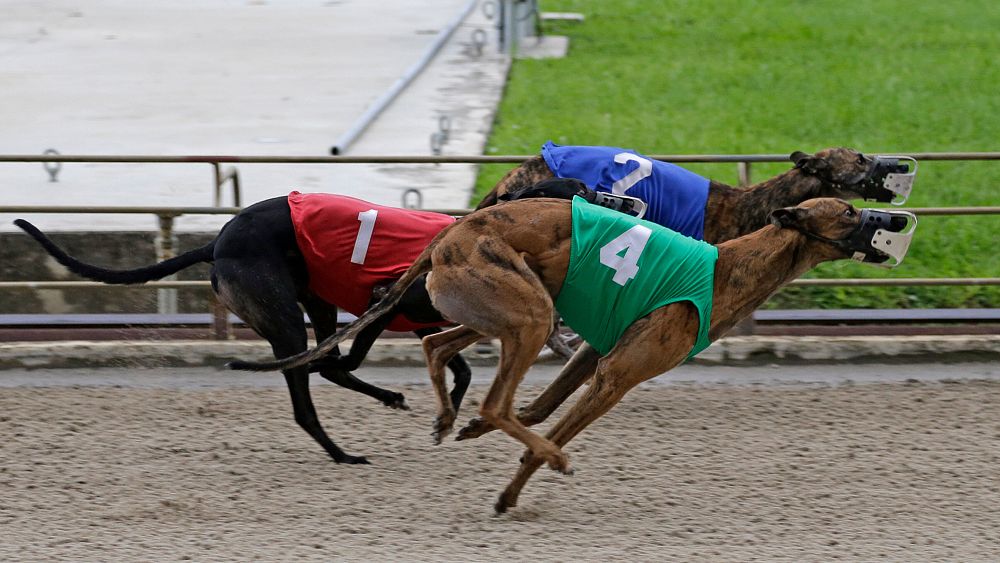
498	272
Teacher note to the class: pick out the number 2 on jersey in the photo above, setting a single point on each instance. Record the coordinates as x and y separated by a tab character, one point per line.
367	219
632	242
644	169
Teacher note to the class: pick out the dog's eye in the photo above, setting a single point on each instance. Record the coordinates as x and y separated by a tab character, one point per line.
849	212
861	158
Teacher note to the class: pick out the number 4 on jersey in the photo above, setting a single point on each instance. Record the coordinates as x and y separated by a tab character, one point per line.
632	242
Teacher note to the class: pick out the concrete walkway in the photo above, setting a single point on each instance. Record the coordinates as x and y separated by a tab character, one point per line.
541	374
729	351
254	77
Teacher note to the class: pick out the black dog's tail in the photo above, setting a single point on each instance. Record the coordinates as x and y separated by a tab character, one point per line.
419	267
136	276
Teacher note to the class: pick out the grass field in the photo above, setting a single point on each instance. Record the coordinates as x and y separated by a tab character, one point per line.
674	77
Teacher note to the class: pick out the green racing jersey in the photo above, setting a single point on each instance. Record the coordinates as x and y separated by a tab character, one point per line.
622	268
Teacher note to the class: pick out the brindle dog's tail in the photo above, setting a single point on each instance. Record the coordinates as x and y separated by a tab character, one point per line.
122	277
392	297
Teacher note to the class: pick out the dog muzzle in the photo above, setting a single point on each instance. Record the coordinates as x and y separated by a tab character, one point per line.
881	238
891	179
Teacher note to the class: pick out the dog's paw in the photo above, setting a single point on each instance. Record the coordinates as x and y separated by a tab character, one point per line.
353	460
506	500
442	427
560	462
397	401
475	428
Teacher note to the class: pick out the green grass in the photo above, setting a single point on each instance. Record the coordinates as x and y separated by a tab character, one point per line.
737	76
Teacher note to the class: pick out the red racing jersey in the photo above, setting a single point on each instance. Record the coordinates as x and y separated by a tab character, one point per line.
350	246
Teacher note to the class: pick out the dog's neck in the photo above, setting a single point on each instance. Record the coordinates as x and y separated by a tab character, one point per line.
752	268
733	212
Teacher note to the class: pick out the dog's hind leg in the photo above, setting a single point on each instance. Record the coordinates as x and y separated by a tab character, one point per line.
461	372
263	294
518	351
520	316
579	369
439	349
324	319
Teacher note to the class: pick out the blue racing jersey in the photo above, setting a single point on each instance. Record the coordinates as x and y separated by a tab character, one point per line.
675	197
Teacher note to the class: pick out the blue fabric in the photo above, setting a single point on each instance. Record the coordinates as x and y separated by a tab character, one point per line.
675	197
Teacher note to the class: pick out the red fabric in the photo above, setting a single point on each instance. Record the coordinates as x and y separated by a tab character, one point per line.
327	228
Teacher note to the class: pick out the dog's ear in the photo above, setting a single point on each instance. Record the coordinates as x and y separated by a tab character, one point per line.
786	217
808	163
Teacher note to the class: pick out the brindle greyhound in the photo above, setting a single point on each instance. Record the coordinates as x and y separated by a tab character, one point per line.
499	271
733	212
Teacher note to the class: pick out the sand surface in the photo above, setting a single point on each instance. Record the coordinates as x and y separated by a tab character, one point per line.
902	471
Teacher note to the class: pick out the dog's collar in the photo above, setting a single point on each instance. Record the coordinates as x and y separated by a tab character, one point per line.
622	203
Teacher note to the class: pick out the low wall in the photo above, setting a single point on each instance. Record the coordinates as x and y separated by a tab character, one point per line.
22	259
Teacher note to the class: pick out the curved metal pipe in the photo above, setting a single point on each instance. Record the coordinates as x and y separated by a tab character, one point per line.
389	95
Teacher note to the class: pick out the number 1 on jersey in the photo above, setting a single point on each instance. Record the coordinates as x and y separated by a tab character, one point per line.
367	219
633	242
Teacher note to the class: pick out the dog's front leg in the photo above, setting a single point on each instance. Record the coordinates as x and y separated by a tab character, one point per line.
305	415
337	369
634	359
559	344
360	346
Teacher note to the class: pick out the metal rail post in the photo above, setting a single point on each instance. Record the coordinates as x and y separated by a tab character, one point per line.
166	242
743	173
748	326
231	174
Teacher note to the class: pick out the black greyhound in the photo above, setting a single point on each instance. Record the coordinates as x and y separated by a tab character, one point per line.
259	273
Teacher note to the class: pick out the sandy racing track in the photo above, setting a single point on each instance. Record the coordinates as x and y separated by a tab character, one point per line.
906	471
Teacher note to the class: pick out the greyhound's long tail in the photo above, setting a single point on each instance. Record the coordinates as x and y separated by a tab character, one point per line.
418	268
122	277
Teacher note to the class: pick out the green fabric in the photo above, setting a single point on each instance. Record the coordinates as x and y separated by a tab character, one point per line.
670	267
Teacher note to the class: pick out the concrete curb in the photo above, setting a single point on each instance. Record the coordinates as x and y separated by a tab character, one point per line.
736	350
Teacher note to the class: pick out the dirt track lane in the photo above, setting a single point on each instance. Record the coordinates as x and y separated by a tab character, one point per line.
907	471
